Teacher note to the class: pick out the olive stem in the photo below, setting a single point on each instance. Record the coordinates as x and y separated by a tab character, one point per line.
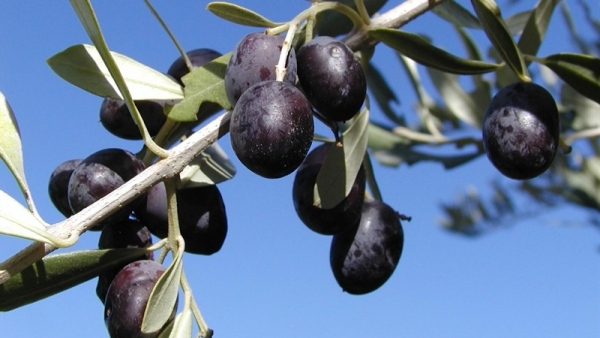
205	331
370	175
566	148
588	133
186	59
172	215
362	11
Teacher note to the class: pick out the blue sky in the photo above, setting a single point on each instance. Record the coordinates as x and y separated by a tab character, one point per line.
539	277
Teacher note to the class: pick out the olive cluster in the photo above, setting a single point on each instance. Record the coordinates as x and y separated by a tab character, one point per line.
271	131
271	125
367	234
76	184
521	130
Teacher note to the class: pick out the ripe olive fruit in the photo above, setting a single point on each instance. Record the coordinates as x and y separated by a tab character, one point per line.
127	298
253	60
271	128
332	78
521	130
198	57
202	216
325	221
58	186
98	175
364	257
116	118
120	235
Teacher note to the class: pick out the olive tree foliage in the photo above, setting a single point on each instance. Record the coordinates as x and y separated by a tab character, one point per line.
441	120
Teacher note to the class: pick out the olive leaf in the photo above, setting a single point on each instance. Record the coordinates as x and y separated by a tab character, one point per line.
181	326
423	52
82	66
56	273
382	93
240	15
536	27
458	101
212	166
11	151
582	72
481	94
456	14
393	150
495	28
163	298
339	170
516	23
586	111
18	221
203	84
334	23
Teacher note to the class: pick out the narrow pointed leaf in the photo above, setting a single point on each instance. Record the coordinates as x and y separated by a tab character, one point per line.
582	72
163	297
82	66
456	14
382	93
338	173
423	52
498	34
182	326
516	23
57	273
10	147
203	84
211	167
536	27
18	221
334	23
458	101
240	15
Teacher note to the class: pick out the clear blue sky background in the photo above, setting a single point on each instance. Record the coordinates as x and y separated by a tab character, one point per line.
539	277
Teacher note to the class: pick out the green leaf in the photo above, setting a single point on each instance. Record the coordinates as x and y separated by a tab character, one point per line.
392	150
516	23
586	111
240	15
182	327
536	27
18	221
203	84
498	34
382	93
57	273
582	72
456	14
163	297
423	52
83	66
334	23
457	100
10	148
212	166
338	173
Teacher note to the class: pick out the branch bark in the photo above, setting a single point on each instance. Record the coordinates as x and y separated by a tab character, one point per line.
185	152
